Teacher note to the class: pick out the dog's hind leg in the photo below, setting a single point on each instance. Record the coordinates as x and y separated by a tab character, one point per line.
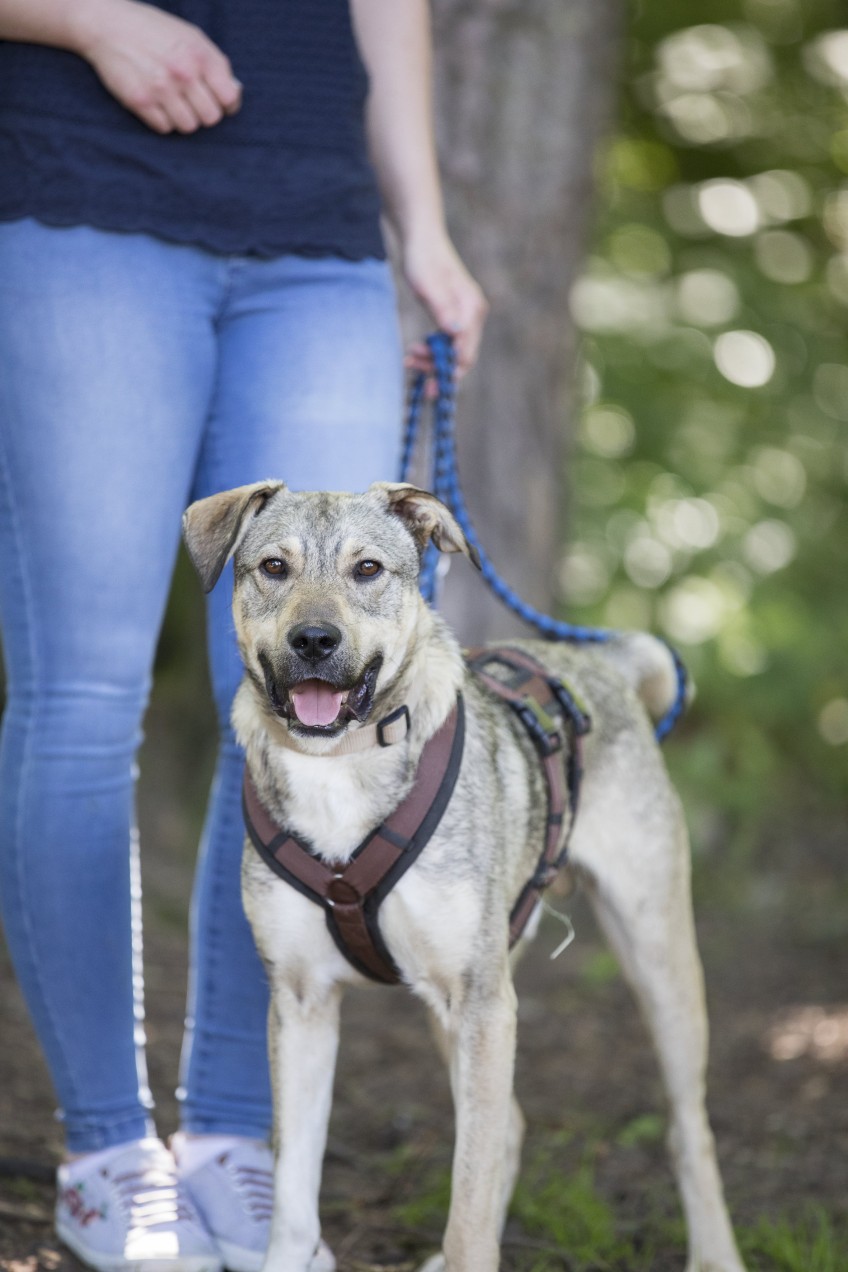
639	885
303	1031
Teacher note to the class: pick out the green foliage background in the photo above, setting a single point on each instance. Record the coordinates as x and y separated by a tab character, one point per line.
709	475
710	511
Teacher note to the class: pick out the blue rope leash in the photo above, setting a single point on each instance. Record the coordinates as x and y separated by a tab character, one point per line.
445	485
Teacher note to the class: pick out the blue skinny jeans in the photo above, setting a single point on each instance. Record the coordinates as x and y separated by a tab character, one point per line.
137	376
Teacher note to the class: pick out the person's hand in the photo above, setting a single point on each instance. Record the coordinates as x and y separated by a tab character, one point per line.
451	296
163	69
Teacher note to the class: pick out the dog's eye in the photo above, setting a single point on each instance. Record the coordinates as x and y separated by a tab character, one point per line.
368	569
275	567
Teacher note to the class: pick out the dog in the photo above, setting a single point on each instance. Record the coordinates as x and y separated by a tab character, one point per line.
349	678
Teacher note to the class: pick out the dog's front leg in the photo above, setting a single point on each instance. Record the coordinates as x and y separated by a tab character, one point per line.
303	1032
481	1037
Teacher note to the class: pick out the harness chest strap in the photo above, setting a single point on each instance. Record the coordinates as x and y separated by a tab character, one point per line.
351	896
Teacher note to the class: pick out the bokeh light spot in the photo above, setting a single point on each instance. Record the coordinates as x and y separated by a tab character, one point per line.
769	546
681	211
826	57
647	561
608	431
741	653
704	118
584	575
710	56
835	217
693	611
745	358
728	207
781	195
779	476
612	303
640	163
830	389
690	524
833	722
837	277
783	257
639	251
707	297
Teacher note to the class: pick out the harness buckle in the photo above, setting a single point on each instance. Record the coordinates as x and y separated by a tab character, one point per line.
574	710
383	738
542	727
545	875
340	891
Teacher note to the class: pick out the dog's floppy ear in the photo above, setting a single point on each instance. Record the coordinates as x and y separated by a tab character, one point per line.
213	527
427	518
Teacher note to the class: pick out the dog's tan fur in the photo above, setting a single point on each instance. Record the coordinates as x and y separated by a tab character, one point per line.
445	922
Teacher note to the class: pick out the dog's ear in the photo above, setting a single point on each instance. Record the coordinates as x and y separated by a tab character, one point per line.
213	527
427	518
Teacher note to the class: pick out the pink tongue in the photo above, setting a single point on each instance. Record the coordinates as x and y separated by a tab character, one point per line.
315	702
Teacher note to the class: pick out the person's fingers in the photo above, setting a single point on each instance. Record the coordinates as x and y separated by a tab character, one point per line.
156	117
222	83
418	358
163	69
467	345
475	309
179	109
459	307
205	105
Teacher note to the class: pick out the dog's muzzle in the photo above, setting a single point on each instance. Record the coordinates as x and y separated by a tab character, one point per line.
320	705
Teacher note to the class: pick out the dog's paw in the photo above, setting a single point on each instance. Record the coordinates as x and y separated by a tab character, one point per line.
323	1260
435	1264
735	1264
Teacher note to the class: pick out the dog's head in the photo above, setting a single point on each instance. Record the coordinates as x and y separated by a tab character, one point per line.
326	594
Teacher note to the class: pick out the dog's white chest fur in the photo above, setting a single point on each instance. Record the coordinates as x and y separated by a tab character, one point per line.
331	802
429	927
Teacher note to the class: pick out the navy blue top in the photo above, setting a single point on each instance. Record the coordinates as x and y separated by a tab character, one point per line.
289	172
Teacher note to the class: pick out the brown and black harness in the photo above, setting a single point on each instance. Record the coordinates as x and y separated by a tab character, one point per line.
351	895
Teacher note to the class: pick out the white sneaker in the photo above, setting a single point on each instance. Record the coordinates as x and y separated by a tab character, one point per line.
230	1179
123	1209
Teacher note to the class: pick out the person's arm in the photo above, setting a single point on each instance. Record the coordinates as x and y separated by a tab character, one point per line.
394	39
165	70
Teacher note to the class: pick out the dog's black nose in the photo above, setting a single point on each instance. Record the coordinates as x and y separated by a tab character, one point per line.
314	642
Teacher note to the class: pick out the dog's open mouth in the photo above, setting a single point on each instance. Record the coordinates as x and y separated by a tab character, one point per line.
316	706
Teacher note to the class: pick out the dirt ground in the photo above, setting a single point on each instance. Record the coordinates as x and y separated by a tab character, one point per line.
773	946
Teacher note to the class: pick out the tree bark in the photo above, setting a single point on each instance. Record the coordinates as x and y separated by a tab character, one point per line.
524	90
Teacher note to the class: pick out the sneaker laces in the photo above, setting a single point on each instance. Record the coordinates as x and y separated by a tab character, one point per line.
254	1185
152	1196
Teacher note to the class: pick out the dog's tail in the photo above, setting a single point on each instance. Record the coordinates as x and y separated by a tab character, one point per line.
648	665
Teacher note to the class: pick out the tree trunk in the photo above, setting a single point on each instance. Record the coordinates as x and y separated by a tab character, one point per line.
524	89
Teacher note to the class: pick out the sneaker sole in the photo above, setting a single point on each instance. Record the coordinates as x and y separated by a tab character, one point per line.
117	1263
239	1259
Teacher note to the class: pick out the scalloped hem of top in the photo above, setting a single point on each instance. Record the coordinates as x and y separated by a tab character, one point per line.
183	236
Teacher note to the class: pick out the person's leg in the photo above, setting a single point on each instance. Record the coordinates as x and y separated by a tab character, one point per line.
108	359
310	390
